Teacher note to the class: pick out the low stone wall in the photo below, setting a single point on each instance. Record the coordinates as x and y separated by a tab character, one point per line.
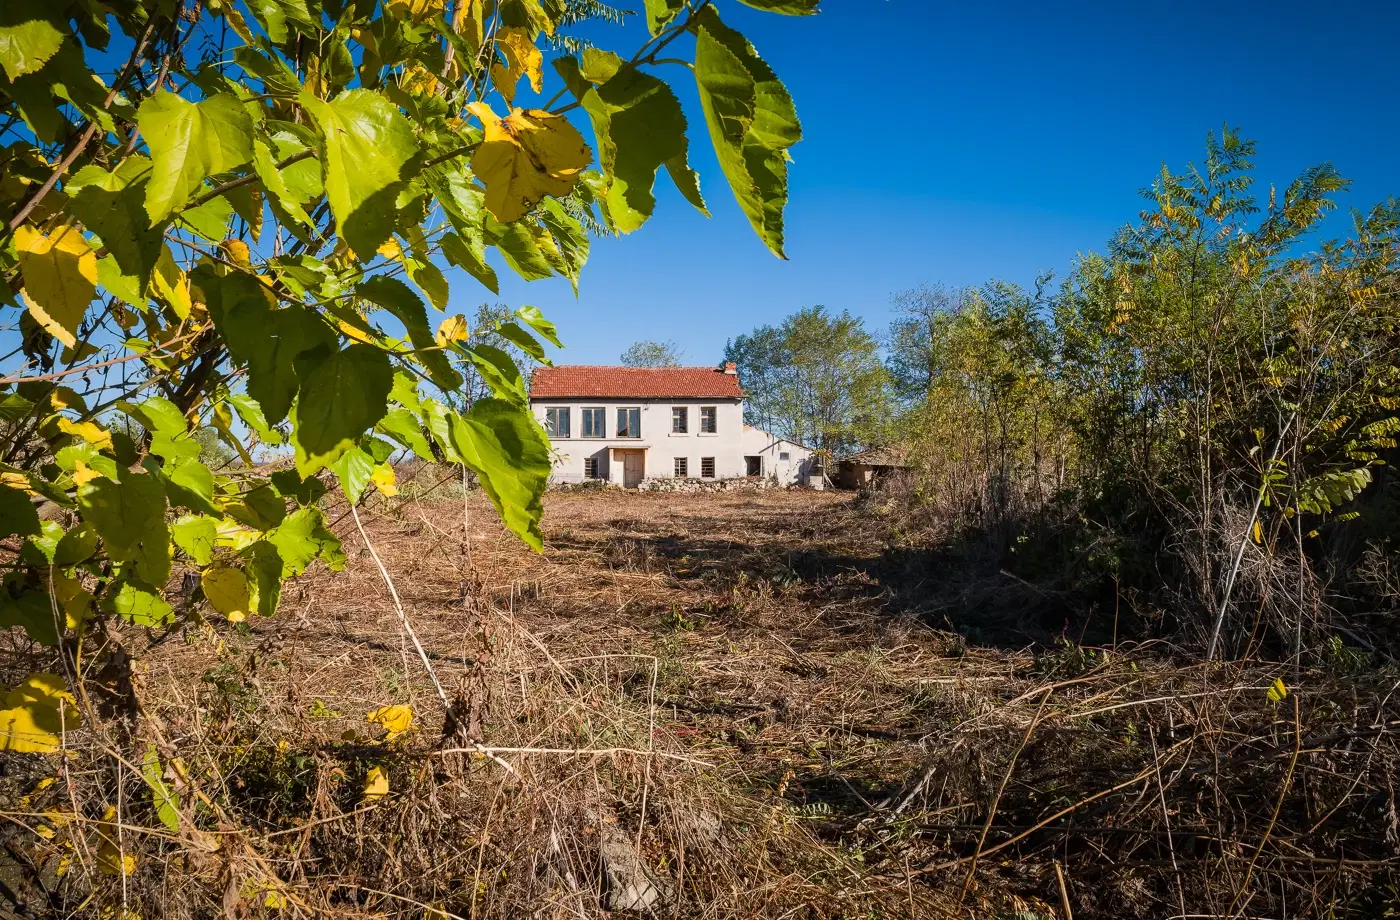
746	484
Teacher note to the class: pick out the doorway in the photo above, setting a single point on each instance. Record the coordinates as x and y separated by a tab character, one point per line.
633	468
753	466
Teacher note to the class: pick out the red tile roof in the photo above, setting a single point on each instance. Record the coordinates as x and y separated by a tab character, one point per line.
592	382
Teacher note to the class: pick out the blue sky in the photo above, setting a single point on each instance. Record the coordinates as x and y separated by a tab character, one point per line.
956	142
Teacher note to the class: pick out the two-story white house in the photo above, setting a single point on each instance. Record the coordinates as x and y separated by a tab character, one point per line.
625	424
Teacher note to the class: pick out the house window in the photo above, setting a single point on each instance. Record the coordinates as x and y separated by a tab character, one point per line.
707	420
783	455
595	423
629	423
707	467
590	468
556	422
682	467
680	419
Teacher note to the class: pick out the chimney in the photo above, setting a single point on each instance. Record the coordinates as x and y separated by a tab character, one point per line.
731	368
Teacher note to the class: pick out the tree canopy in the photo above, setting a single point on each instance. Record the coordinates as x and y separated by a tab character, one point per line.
816	379
652	354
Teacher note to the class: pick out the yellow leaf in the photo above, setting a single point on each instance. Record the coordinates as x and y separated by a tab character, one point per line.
171	285
390	249
468	21
395	719
112	861
384	480
452	329
60	278
73	599
419	79
525	156
35	713
1258	533
522	57
83	474
376	785
275	900
1278	690
87	431
226	589
237	252
27	800
417	10
16	481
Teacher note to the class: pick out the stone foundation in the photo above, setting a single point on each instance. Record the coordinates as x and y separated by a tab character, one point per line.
691	484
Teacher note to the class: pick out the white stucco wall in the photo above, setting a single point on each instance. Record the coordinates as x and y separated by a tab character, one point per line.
793	470
662	447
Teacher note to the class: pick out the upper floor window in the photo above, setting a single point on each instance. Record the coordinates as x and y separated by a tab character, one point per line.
595	423
629	423
556	422
707	420
680	419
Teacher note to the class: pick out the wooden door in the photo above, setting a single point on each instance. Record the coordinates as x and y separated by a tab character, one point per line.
632	462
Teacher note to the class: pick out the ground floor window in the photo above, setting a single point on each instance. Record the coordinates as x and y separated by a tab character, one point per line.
707	467
783	455
682	467
590	468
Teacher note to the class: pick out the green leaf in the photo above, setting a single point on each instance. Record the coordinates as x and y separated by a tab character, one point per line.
251	412
290	485
268	341
129	288
139	605
112	205
354	467
263	566
261	508
190	141
660	13
536	321
166	802
396	297
30	34
786	7
464	203
430	280
157	415
403	426
195	535
75	546
130	517
751	119
508	451
521	250
17	514
367	143
274	182
275	15
640	128
498	369
405	392
522	340
191	485
33	612
565	245
209	220
341	397
303	537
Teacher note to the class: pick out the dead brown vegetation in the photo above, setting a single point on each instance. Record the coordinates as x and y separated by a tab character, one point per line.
769	698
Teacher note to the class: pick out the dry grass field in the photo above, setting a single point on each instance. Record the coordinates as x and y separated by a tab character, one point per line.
734	705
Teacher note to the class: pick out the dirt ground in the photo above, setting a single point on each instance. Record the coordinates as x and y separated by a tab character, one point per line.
739	704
